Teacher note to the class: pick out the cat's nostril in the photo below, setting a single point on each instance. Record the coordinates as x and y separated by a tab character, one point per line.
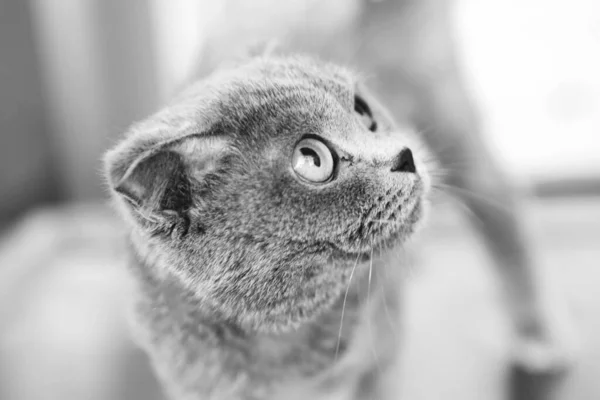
404	162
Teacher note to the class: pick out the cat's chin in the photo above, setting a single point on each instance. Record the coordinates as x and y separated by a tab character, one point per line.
406	230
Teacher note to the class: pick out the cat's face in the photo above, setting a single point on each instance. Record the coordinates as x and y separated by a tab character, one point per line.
260	187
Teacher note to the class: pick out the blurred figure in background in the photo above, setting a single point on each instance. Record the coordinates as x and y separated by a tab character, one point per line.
69	93
408	50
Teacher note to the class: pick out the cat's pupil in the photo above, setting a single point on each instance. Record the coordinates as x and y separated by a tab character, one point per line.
308	152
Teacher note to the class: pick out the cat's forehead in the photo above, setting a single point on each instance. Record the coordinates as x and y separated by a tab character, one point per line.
279	90
236	97
271	76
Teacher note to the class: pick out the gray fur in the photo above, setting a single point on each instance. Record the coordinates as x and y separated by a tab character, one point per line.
243	269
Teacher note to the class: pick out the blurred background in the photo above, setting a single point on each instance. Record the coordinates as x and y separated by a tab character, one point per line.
74	74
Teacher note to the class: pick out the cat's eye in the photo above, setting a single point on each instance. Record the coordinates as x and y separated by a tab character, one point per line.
313	161
364	112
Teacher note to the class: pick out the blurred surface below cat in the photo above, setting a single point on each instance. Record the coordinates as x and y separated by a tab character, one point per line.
63	334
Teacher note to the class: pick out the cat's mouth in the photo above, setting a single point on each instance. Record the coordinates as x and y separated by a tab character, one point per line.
391	220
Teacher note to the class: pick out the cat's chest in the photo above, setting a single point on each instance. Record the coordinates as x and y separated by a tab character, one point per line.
219	361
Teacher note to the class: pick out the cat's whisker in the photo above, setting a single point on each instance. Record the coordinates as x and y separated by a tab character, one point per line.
458	192
430	160
382	221
446	169
409	263
470	212
385	305
439	173
337	347
370	274
461	161
376	358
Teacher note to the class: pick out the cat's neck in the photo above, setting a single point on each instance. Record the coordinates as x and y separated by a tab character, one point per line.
181	305
180	321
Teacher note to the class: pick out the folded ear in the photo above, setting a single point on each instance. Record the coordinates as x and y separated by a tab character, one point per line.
162	177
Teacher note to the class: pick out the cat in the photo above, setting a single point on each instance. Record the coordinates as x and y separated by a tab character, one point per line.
267	204
408	48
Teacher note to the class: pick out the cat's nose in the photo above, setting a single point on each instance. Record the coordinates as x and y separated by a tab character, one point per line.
404	162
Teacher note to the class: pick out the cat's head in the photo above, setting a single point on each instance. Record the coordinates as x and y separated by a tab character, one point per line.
261	186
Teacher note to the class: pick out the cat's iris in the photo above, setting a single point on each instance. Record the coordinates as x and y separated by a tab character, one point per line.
312	161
